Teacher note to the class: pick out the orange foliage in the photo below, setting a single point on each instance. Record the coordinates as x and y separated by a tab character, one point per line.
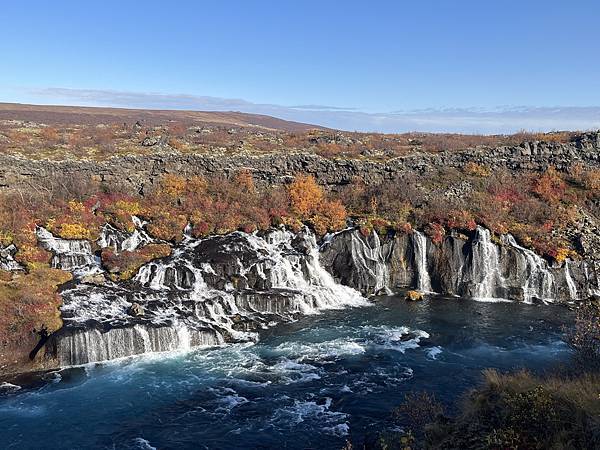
172	185
305	195
550	186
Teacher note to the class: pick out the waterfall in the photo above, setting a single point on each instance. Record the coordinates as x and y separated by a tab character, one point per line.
302	272
68	254
592	290
208	291
485	265
93	345
368	257
539	281
124	241
420	255
570	283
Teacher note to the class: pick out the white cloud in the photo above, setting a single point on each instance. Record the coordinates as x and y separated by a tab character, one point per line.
467	120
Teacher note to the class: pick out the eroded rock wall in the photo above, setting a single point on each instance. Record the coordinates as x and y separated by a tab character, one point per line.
135	173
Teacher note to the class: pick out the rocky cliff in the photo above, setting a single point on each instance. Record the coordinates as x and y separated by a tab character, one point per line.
134	173
466	266
226	288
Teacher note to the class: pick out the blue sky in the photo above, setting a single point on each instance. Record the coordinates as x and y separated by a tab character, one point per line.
375	57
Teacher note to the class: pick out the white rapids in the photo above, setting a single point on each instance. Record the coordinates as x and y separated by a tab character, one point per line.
210	291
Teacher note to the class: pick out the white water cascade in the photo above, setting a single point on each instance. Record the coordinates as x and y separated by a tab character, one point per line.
539	281
485	266
570	283
124	241
420	254
7	261
68	254
209	291
92	345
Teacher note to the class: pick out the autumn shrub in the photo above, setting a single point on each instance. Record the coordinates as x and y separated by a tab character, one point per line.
418	410
124	265
167	225
305	196
461	220
117	209
477	170
436	232
523	411
550	186
76	220
50	136
27	301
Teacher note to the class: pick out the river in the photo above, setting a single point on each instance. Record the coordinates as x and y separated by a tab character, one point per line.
313	383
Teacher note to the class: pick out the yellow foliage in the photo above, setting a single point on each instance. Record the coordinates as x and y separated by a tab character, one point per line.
245	182
76	206
197	185
173	185
6	238
305	195
30	300
477	170
130	207
562	254
75	230
332	216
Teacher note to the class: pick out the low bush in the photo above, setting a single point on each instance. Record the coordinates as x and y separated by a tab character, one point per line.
124	265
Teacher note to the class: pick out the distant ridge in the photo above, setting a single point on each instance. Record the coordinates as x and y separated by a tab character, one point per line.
56	114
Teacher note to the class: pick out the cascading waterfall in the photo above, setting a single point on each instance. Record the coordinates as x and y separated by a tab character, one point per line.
209	290
570	283
69	254
485	265
539	281
592	290
420	255
7	261
121	241
92	345
225	288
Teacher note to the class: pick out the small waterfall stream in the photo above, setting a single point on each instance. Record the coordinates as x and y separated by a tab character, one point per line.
570	283
485	266
7	261
538	280
68	254
420	252
123	241
368	255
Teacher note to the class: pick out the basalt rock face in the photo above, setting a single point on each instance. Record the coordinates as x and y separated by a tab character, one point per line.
209	291
134	173
225	288
471	266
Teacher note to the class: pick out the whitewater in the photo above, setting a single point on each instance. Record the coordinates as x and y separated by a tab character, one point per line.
314	382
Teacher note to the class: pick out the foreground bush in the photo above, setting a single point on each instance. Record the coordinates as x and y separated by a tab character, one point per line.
509	411
28	302
522	411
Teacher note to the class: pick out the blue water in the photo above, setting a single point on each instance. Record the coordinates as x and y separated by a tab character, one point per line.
311	384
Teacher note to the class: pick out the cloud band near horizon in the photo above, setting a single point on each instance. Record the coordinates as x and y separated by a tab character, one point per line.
497	120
